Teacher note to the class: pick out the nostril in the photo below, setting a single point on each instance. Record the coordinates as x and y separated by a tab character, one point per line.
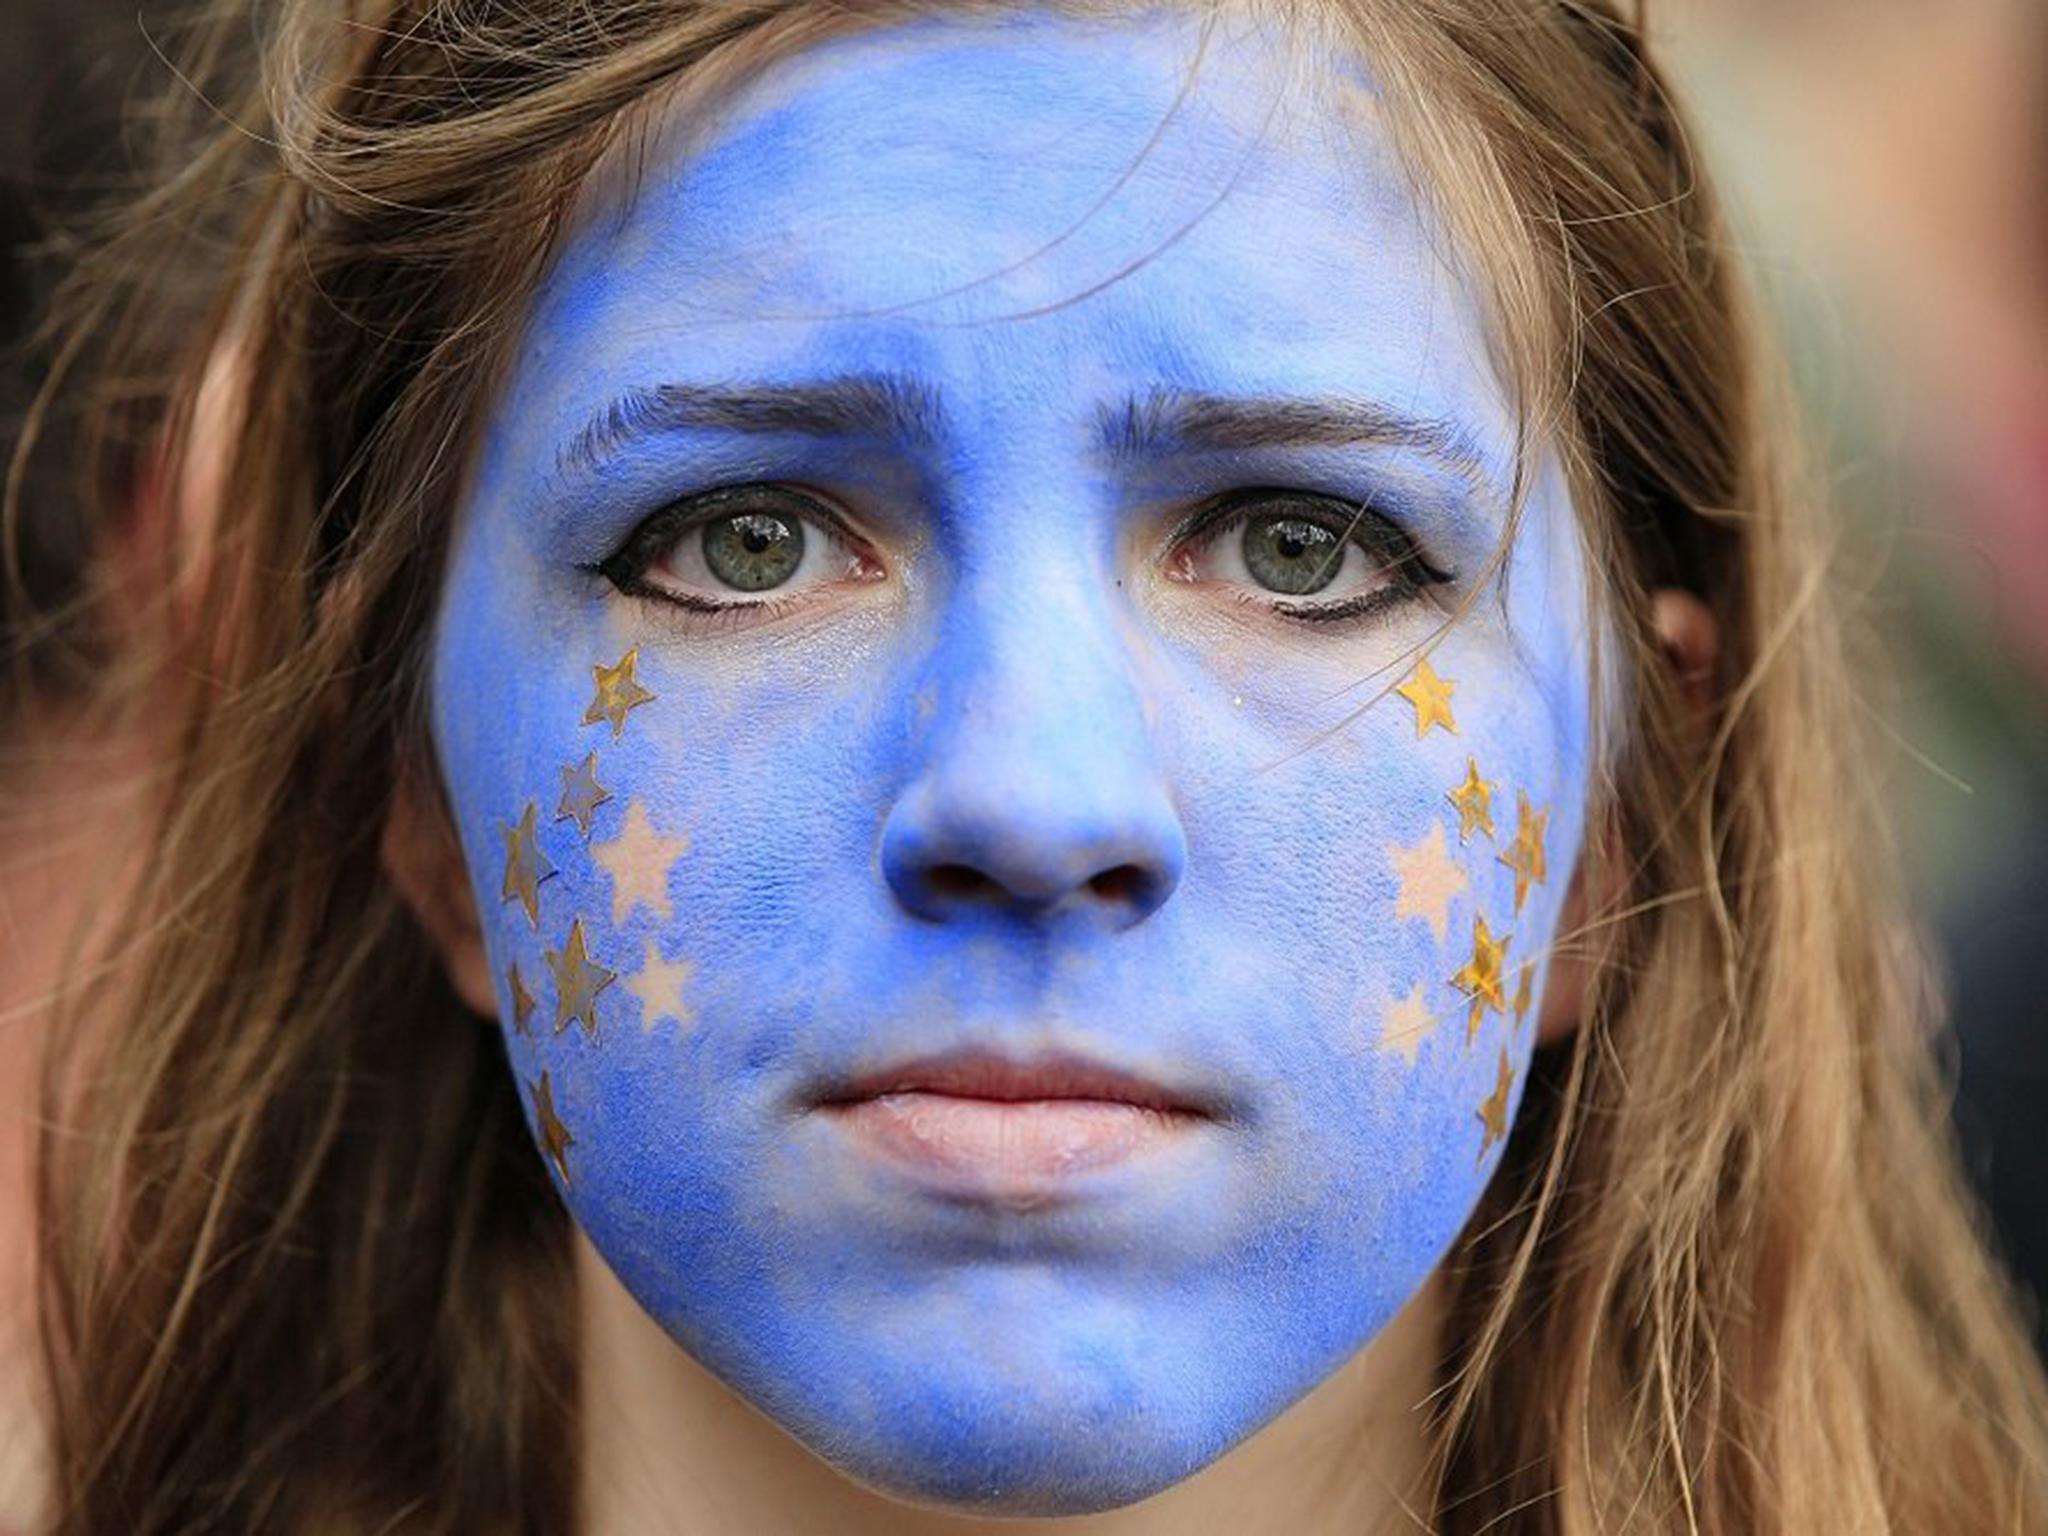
960	882
1125	885
970	855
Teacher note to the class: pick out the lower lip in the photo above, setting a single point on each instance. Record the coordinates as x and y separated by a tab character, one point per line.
1013	1145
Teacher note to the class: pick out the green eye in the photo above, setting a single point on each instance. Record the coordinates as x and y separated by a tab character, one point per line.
1291	555
753	551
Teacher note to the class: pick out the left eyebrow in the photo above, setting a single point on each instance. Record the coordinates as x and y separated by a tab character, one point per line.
1183	419
854	405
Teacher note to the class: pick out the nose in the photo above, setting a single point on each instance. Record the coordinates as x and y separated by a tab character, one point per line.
1039	793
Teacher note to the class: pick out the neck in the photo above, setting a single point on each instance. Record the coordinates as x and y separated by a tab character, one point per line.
666	1446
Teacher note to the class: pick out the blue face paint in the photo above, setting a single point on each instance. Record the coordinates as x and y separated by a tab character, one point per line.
1007	717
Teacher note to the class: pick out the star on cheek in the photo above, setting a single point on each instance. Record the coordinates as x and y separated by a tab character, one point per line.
555	1140
1493	1110
639	860
1431	696
578	980
618	691
581	794
1474	800
1428	881
1406	1024
1480	977
659	986
525	865
1525	854
522	999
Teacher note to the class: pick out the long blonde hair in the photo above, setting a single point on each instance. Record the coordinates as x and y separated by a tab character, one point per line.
302	1271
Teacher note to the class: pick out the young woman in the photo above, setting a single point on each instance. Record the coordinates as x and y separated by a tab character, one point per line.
1125	717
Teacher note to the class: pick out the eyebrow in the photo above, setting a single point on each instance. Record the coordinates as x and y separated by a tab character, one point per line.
854	405
907	410
1208	423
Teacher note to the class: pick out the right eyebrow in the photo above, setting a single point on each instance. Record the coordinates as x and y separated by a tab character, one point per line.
1186	419
881	405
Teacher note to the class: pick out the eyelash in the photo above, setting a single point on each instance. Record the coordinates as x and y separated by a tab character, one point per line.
626	567
1410	572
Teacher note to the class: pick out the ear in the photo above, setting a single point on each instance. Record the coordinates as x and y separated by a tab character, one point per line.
160	555
423	857
1690	639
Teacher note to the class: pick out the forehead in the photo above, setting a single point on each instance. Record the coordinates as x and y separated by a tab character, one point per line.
1032	204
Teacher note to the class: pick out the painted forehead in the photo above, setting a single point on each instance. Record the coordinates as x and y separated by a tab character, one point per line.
968	201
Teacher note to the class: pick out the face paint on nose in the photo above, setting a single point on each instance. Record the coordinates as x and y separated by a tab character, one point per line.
1039	795
1018	918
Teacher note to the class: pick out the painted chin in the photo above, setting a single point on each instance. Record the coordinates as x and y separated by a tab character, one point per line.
1015	1154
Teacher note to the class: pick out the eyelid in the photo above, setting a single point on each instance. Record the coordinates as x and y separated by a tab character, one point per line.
659	531
1208	522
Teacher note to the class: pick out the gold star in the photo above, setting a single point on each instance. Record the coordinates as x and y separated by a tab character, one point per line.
1428	880
522	1000
659	986
555	1139
1431	696
1525	854
1406	1024
581	795
1474	800
618	690
1524	990
525	865
1479	978
1493	1110
639	860
578	980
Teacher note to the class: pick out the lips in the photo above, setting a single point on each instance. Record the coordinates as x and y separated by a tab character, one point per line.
987	1075
980	1125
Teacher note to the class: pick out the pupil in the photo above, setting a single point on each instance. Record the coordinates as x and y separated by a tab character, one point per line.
755	540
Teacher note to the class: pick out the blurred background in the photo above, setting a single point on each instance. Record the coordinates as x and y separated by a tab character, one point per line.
1887	161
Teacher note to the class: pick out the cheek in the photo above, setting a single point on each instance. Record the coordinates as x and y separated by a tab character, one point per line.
1390	899
650	848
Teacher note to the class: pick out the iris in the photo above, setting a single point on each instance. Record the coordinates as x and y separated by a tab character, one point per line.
753	551
1291	555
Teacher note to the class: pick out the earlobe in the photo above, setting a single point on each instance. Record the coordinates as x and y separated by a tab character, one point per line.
1689	636
423	858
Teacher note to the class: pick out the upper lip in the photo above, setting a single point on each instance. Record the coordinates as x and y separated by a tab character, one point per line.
986	1074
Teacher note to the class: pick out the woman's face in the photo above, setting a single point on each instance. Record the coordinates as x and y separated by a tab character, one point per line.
916	682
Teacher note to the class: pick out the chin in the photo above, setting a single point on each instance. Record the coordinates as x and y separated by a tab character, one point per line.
1072	1437
1057	1471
